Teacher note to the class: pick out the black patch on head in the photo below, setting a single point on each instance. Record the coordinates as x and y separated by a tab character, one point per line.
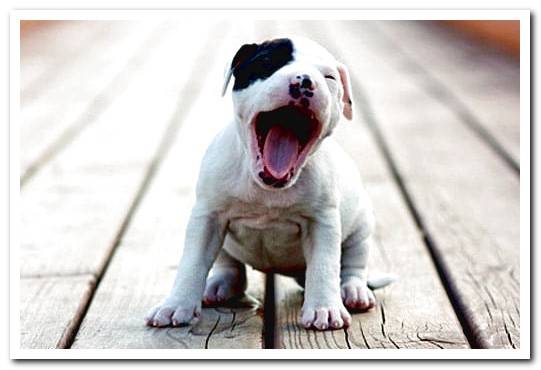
259	61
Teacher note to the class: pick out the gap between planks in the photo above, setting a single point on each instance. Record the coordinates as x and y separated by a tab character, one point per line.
458	305
186	97
271	336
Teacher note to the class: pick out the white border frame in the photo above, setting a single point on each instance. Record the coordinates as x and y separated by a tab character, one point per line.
523	353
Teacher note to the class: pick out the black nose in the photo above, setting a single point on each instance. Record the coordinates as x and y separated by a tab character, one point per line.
306	82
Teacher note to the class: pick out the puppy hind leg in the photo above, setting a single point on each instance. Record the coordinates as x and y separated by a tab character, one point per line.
227	280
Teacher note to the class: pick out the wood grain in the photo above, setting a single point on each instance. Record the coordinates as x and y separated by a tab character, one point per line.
47	308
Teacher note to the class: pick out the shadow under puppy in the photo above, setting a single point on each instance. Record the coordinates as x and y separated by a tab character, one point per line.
275	192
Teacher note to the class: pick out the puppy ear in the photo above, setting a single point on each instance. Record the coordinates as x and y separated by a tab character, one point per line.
227	78
242	55
346	85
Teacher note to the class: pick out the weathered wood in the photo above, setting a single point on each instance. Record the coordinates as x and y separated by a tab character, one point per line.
116	316
134	284
48	305
73	210
142	270
465	198
290	332
414	312
479	84
73	94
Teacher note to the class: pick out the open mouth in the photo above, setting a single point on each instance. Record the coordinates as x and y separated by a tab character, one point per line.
284	137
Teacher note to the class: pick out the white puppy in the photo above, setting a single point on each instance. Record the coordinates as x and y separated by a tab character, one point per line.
277	193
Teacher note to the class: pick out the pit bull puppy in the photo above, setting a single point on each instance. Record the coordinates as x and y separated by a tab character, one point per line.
277	193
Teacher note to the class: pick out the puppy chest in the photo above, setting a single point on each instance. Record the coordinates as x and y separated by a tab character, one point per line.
266	241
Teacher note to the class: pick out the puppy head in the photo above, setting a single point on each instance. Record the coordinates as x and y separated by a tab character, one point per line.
288	95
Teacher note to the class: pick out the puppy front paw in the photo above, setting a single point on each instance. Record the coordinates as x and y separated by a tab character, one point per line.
173	312
323	317
356	295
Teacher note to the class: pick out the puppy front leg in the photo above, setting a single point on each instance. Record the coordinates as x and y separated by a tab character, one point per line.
204	238
353	275
323	307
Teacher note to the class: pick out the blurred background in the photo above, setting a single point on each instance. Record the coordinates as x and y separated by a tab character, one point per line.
501	34
50	51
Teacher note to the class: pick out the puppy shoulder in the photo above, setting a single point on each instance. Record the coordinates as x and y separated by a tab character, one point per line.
355	204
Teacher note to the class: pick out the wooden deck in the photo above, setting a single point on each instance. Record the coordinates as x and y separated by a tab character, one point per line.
116	116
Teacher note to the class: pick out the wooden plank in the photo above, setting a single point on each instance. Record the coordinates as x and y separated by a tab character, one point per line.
464	197
153	243
415	311
73	210
59	108
42	324
141	276
481	85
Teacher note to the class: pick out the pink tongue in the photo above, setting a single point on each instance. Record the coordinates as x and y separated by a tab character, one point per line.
280	151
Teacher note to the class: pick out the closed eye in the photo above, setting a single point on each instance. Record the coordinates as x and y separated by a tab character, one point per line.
330	77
